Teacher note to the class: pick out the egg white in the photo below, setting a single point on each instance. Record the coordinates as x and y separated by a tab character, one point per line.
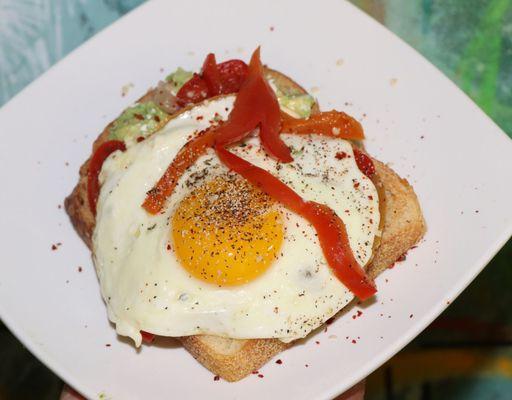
146	288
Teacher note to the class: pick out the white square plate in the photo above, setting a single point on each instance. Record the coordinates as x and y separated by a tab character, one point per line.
459	162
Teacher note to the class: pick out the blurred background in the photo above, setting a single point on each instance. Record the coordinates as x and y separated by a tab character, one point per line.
467	352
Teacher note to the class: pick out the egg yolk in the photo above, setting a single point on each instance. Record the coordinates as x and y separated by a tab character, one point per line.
227	232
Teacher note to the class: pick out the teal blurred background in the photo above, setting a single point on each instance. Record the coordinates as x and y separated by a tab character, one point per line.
467	352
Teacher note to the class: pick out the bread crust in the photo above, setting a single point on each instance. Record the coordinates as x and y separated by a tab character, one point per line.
233	359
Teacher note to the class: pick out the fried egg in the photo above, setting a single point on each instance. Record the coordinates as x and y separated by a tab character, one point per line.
223	258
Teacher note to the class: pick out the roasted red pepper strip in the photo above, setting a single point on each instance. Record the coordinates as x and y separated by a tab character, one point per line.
99	156
256	104
330	228
262	179
186	157
330	123
364	163
211	75
147	337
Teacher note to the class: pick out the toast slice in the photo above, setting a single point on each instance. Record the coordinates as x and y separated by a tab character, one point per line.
233	359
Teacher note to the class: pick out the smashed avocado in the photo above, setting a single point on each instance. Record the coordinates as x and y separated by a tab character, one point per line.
293	99
178	78
300	104
141	120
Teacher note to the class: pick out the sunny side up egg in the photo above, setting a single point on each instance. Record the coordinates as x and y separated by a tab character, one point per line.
223	258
